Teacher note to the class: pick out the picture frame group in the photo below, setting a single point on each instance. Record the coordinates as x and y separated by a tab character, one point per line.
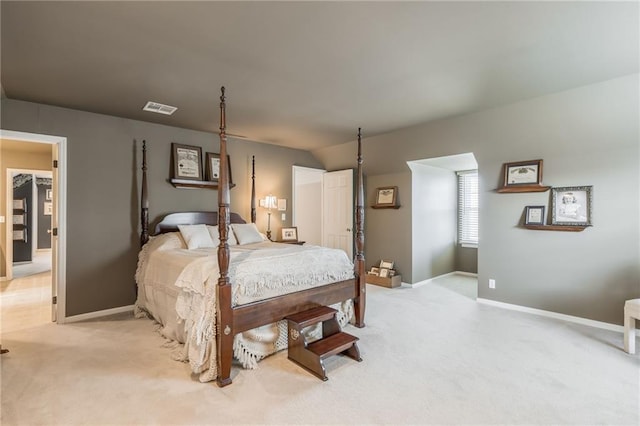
570	206
187	163
383	270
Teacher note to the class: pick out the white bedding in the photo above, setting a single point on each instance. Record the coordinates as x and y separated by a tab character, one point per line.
178	288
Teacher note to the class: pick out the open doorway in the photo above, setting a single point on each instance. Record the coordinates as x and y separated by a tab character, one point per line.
31	199
445	220
32	218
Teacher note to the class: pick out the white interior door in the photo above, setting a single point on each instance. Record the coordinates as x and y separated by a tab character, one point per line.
337	210
307	204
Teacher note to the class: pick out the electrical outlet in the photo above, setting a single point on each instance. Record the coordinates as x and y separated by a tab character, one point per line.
284	216
492	283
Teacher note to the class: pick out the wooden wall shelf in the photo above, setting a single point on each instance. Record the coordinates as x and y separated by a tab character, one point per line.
567	228
385	207
523	188
187	183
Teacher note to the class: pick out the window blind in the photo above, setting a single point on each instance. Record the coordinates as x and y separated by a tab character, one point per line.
468	207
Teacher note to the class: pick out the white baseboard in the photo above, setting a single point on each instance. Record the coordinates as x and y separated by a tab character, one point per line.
98	314
430	280
549	314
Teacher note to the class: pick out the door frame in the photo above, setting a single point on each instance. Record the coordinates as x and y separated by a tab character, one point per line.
60	191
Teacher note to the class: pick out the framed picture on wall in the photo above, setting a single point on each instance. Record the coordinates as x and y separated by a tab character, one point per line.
48	208
386	197
187	161
572	205
212	169
534	215
523	173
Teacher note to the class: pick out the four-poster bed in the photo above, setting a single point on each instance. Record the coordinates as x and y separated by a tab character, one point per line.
232	318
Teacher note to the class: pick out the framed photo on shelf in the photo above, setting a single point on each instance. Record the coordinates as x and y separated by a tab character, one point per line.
534	215
374	271
523	173
572	205
384	273
212	170
187	162
386	264
289	234
386	196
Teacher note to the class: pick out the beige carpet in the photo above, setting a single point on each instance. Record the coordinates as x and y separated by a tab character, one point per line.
431	356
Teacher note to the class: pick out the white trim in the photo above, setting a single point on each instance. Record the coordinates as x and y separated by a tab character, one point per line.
430	280
61	191
467	274
555	315
99	314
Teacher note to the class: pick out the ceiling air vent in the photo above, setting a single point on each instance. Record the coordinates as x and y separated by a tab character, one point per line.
159	108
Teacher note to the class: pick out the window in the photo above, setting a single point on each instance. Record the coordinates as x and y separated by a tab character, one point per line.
468	208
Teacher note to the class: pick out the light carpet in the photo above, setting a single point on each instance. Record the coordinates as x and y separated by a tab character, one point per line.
431	356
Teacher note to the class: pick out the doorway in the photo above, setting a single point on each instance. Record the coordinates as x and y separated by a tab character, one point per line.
31	199
54	209
441	243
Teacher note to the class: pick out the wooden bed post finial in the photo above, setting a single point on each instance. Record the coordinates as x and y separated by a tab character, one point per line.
360	273
224	329
144	199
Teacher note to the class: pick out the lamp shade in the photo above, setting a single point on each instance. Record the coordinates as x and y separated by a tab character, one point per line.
270	202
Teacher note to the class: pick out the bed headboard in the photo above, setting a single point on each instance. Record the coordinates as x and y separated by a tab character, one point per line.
171	221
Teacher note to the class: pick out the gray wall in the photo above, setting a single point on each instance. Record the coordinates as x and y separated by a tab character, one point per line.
383	238
466	259
434	224
103	190
586	136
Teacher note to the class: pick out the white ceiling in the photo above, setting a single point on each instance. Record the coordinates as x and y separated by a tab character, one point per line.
308	74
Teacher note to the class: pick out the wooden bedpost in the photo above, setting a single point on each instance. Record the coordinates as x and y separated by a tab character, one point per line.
144	202
224	328
360	300
253	189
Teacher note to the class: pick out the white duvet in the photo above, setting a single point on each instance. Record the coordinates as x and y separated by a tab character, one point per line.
178	288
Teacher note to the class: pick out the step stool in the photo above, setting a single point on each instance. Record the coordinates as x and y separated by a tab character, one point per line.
310	356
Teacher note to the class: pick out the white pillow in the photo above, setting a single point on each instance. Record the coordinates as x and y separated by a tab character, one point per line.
246	233
215	236
196	236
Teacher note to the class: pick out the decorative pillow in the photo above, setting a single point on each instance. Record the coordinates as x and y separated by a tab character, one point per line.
246	233
215	236
196	236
